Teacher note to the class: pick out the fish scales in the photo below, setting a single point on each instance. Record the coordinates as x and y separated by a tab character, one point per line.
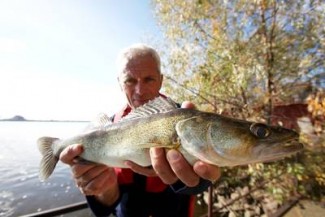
198	135
159	129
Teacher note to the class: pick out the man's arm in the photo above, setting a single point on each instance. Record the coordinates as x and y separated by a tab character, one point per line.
97	182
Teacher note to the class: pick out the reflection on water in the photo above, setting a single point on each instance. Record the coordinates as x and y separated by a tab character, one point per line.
21	192
6	203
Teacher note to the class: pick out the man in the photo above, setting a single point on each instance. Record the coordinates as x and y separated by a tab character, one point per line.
163	190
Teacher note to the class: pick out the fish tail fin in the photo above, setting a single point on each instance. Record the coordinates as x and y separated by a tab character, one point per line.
49	160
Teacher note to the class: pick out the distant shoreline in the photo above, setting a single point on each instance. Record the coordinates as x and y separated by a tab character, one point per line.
19	118
8	120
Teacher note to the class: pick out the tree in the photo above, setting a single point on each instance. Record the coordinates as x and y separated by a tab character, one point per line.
235	57
241	54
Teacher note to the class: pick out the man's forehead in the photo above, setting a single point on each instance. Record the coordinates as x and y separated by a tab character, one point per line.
140	67
134	73
141	60
139	70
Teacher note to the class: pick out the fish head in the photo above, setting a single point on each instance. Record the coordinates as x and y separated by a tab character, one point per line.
245	142
230	142
273	142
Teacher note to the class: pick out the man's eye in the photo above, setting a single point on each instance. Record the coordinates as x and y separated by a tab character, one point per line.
149	79
129	82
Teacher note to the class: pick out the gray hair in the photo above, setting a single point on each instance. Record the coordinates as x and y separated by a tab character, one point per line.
136	50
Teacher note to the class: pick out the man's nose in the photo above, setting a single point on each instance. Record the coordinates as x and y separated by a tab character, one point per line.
139	88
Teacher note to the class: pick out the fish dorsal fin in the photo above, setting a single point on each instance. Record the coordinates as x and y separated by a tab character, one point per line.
100	122
155	106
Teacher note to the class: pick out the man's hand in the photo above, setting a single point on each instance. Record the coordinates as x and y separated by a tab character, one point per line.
172	166
92	179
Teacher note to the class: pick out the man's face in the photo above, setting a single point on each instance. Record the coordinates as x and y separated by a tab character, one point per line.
140	81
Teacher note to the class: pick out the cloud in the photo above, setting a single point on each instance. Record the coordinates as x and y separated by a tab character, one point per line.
11	45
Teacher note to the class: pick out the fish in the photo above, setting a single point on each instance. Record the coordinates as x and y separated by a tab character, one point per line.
198	135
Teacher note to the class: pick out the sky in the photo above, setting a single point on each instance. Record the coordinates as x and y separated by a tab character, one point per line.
57	57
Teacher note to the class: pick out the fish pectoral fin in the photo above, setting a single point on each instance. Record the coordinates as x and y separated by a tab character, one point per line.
196	140
175	146
190	130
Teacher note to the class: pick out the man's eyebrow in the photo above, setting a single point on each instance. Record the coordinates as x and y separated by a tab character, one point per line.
129	79
126	76
150	77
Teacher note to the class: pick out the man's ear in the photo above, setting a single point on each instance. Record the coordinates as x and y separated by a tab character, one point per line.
161	79
119	83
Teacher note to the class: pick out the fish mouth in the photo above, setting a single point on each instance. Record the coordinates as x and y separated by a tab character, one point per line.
278	150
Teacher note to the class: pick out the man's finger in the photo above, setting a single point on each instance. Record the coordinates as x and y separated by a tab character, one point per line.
161	166
139	169
93	172
207	171
182	168
70	152
188	105
79	170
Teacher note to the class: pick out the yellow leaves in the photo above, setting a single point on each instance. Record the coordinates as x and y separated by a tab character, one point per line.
305	62
252	168
320	177
215	28
316	104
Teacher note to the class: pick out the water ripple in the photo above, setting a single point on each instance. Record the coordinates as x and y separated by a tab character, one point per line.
6	203
21	191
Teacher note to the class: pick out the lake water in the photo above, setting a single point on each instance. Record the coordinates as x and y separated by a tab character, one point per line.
21	192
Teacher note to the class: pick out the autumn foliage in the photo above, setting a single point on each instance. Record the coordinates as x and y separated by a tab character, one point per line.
249	60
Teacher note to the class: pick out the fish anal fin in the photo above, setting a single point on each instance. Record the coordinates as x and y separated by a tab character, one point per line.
83	161
152	144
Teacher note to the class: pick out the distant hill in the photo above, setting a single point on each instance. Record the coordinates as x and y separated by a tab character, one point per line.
21	118
15	118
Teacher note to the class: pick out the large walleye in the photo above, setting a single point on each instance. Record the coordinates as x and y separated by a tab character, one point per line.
209	137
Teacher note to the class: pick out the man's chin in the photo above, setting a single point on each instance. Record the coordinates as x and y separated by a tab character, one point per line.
138	103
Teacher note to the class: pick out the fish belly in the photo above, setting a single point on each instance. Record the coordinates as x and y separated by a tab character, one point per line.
117	155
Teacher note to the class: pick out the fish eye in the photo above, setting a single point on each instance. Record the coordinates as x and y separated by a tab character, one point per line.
260	130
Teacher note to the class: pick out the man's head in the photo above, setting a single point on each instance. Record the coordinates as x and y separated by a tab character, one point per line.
139	74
